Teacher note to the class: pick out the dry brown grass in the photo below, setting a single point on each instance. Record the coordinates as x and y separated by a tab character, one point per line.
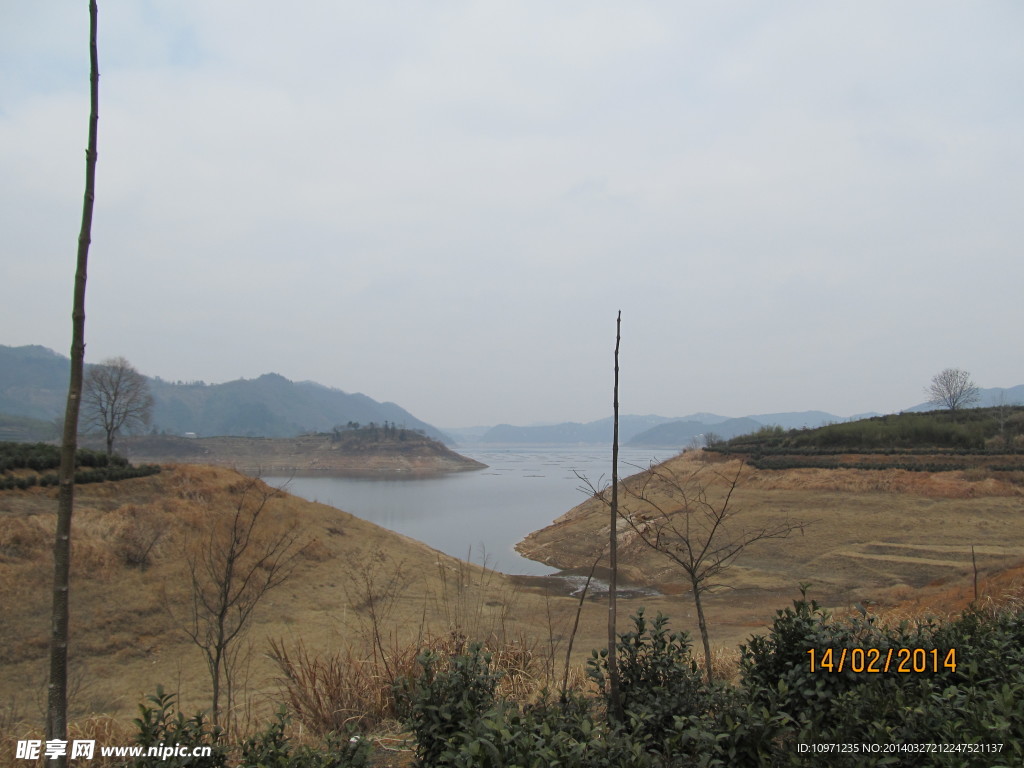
965	484
353	687
874	536
359	593
102	729
362	595
333	691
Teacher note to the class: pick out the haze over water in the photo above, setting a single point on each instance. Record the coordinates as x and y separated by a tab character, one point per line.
479	515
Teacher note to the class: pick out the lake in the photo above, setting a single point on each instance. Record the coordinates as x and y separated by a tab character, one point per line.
479	515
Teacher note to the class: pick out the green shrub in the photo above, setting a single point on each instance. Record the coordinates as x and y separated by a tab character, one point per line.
272	748
552	733
658	678
444	702
978	701
672	718
92	466
159	725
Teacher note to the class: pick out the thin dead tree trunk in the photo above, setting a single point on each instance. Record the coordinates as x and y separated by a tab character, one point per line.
57	690
613	544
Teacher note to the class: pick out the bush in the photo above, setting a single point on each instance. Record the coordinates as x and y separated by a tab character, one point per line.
272	748
672	718
658	677
446	699
159	724
975	700
92	466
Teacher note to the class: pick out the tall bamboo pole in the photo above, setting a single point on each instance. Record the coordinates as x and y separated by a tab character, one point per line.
57	691
613	544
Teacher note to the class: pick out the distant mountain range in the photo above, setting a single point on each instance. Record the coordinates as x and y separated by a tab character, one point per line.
34	381
572	433
657	431
987	398
33	390
661	432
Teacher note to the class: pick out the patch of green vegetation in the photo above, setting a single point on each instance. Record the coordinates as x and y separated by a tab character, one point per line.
898	441
355	434
196	742
811	679
25	465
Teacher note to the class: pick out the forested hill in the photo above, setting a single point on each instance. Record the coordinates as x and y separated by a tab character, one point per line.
34	380
271	406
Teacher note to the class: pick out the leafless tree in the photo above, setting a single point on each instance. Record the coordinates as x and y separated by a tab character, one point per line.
711	439
952	389
679	516
116	398
231	568
57	688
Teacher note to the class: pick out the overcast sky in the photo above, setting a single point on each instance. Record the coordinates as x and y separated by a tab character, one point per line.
796	205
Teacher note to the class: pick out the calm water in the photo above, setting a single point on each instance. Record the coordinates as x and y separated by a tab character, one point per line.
477	515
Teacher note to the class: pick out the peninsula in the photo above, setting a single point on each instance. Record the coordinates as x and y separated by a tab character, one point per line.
369	451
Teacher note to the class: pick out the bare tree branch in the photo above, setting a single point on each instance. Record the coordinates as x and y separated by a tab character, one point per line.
676	516
240	558
116	398
952	388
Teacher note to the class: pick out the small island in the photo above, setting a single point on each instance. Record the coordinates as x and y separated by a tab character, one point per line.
350	451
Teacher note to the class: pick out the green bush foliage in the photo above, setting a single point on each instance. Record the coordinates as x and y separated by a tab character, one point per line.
272	748
41	458
658	677
159	724
968	698
446	699
770	719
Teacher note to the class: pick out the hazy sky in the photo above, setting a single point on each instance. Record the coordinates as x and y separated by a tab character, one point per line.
796	205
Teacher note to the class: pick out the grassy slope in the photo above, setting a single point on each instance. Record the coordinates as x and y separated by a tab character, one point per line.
885	536
126	620
880	536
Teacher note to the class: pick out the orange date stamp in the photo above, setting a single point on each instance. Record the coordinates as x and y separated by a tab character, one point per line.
882	660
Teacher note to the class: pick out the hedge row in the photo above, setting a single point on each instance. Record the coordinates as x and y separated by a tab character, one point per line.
968	430
41	457
82	476
797	462
788	450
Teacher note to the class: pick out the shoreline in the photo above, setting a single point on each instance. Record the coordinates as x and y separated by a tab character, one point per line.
305	456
